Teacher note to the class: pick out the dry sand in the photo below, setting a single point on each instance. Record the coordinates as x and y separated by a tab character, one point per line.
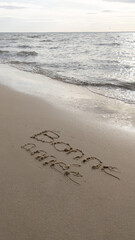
37	202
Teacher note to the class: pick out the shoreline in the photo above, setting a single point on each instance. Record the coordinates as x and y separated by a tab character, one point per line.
70	98
37	201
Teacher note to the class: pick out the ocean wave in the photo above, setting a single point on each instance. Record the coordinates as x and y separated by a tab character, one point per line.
122	85
22	63
64	39
53	47
108	44
114	89
58	77
33	36
105	61
14	39
24	46
3	51
34	67
128	66
4	46
46	40
27	53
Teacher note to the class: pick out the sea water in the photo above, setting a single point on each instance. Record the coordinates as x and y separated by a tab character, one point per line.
103	63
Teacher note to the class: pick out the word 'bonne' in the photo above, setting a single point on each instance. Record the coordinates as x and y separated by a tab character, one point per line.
51	137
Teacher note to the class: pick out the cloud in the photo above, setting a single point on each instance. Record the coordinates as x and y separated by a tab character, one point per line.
15	5
122	1
11	7
107	11
66	15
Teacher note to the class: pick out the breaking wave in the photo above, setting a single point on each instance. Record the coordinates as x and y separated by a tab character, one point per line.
24	46
27	53
3	51
122	85
108	44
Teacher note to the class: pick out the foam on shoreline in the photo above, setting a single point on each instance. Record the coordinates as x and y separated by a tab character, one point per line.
73	98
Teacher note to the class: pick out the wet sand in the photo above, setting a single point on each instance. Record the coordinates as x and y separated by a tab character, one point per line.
39	202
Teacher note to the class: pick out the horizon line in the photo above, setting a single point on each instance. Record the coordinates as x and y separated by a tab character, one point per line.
68	31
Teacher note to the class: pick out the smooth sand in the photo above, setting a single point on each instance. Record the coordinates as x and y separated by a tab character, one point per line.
38	202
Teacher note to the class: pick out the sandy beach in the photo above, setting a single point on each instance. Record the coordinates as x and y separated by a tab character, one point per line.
63	197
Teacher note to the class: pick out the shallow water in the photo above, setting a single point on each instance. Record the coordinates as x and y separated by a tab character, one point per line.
89	107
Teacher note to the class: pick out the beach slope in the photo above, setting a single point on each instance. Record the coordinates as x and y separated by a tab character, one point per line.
41	201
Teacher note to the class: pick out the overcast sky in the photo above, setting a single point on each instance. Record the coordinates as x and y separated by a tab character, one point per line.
67	15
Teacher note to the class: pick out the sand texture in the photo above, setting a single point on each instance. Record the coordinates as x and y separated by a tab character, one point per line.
62	178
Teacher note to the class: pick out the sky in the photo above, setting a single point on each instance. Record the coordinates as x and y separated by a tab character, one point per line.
67	15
